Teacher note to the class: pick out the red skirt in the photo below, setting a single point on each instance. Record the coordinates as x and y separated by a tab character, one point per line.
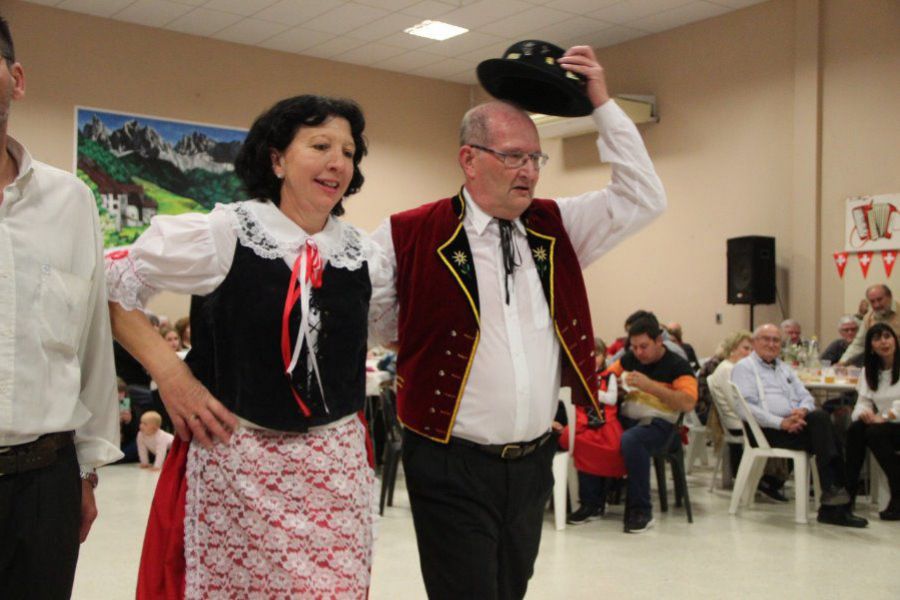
597	451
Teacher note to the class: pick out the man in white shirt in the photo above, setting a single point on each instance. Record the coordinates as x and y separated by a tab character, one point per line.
58	406
787	413
493	317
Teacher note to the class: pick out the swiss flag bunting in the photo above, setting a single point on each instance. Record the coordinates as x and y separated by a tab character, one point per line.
887	258
865	259
840	261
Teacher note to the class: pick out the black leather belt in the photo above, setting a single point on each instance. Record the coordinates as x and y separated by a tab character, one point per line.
504	451
34	455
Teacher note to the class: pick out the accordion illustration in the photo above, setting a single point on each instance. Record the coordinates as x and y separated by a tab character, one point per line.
873	220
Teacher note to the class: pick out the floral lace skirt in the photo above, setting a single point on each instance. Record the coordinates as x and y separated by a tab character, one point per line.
280	515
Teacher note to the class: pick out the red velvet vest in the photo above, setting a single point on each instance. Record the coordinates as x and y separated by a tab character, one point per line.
439	309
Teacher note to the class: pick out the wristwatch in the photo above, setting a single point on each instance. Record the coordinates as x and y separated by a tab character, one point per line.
89	475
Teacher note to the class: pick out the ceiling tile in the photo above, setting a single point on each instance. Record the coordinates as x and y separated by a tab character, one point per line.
294	12
296	40
409	61
240	7
346	17
696	11
405	40
100	8
477	14
153	13
369	54
250	31
612	35
514	25
393	24
333	47
388	4
568	32
203	21
443	68
45	2
466	42
631	10
495	50
579	7
429	9
192	2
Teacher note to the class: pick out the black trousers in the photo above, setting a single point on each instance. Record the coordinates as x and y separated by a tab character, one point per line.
478	517
883	439
818	438
40	515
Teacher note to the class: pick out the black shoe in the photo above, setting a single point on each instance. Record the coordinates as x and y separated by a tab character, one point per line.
840	515
638	521
585	513
771	491
891	513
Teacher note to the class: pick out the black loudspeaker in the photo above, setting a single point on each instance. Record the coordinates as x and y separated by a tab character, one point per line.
751	270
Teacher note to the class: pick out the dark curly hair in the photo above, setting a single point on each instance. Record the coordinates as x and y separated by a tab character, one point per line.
275	130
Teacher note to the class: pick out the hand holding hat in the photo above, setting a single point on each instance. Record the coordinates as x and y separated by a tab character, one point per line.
581	60
541	77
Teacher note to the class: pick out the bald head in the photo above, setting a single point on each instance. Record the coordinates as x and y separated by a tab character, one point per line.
880	298
767	341
476	123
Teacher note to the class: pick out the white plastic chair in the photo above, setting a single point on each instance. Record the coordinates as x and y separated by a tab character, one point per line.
698	436
563	479
724	409
753	462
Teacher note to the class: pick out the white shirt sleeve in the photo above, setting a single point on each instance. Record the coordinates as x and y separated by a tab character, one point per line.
383	272
97	440
598	220
864	397
188	254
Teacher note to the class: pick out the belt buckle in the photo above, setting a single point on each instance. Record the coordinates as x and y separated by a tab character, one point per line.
511	451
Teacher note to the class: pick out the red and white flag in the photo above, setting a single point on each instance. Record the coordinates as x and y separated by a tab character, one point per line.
840	261
888	257
865	259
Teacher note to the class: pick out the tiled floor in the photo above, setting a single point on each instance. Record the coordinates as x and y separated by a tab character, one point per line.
760	554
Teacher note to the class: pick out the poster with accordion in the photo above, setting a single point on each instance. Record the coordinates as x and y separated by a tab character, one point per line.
872	223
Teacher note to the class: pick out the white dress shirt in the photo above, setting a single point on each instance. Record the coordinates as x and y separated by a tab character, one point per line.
772	390
512	389
56	359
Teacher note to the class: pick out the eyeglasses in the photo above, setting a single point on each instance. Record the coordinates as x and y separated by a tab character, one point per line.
517	160
769	339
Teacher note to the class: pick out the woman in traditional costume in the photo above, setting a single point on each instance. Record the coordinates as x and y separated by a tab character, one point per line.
272	496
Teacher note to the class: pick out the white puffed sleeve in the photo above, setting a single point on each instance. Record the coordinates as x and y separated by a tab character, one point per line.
187	254
383	306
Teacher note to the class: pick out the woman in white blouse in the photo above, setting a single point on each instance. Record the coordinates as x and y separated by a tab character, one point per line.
876	424
272	498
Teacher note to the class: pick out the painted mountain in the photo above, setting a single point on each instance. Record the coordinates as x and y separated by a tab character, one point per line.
139	167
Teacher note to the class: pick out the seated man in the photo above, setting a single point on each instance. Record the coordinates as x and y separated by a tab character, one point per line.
788	416
847	330
659	386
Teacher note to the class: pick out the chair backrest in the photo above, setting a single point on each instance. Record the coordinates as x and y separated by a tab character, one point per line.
725	408
565	396
749	420
392	428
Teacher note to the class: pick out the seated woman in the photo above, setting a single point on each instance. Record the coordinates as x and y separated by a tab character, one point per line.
876	425
283	292
597	454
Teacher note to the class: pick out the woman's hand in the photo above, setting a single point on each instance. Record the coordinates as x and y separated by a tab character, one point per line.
195	413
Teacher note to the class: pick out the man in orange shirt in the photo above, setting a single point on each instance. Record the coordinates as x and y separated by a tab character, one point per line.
659	385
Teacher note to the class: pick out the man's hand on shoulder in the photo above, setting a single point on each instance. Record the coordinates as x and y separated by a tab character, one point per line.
581	60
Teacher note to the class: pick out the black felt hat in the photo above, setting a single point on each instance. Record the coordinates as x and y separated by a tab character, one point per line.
529	76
